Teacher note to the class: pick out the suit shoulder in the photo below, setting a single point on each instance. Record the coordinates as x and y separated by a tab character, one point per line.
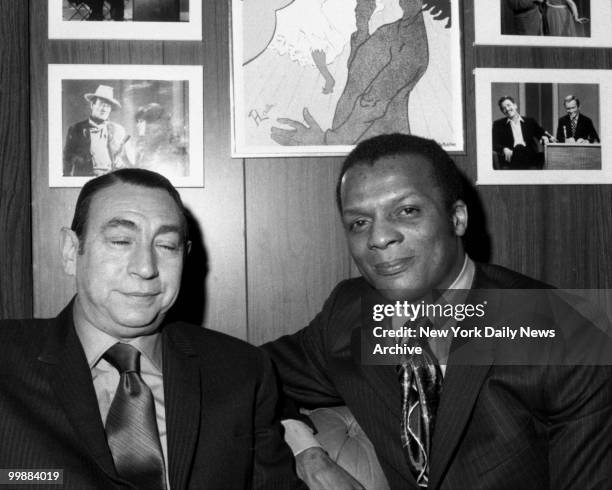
497	276
18	337
204	340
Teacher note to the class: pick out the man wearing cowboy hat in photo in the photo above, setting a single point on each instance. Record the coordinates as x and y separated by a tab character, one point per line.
96	146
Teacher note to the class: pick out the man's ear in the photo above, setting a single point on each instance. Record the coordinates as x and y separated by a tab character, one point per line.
70	249
459	217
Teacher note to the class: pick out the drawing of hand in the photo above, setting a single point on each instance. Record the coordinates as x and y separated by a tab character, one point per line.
301	134
581	20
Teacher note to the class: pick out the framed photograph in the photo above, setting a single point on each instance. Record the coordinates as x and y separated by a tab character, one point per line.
543	126
106	117
315	77
125	19
576	23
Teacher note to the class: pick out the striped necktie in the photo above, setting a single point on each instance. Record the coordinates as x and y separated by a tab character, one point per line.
573	124
131	426
420	378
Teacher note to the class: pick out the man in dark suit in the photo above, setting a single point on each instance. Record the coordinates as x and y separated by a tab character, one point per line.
497	427
96	145
515	138
575	127
115	397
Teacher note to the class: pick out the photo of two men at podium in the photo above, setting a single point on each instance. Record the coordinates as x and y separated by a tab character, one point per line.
545	126
127	10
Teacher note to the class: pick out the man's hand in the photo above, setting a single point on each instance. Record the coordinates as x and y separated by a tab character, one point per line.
319	472
508	154
300	134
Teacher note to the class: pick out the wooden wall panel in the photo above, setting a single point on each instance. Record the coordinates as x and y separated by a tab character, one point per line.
15	219
296	251
220	297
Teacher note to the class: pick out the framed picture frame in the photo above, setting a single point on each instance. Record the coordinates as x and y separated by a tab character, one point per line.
172	20
315	77
557	23
104	117
543	126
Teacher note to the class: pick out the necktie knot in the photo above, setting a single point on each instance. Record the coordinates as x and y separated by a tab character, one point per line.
123	357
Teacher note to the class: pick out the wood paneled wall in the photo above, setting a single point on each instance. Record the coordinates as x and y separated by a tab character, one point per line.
273	244
15	237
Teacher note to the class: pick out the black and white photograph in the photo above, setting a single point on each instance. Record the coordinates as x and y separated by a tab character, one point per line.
561	18
152	121
541	131
543	22
125	19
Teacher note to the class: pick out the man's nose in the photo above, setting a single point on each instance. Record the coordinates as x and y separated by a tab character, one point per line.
143	262
382	234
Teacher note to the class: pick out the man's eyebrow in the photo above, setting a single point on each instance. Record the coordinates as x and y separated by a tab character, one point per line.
163	229
359	208
119	222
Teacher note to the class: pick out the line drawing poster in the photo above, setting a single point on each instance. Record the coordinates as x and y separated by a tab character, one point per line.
315	77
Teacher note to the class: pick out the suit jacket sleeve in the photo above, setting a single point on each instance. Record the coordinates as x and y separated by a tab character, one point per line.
580	428
499	138
591	132
302	360
273	462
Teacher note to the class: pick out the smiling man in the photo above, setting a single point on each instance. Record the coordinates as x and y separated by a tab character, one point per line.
454	426
575	127
114	396
516	138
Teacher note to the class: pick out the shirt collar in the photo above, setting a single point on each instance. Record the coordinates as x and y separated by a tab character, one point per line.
466	275
95	343
520	119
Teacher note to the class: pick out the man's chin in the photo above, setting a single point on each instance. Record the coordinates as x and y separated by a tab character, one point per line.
135	324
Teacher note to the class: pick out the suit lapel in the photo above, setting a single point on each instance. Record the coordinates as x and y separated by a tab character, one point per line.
66	367
461	386
383	380
182	403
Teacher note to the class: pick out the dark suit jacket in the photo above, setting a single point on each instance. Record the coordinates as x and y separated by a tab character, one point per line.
220	402
503	138
77	150
498	427
502	134
584	129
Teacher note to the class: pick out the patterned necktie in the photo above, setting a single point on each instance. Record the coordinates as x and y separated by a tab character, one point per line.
420	378
131	426
573	124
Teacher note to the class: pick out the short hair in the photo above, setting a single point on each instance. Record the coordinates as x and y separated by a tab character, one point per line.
133	176
444	170
570	98
505	97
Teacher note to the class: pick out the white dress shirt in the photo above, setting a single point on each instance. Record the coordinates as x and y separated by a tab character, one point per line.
517	131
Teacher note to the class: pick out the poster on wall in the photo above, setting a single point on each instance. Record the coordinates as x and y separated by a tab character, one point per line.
125	116
125	19
543	126
315	77
575	23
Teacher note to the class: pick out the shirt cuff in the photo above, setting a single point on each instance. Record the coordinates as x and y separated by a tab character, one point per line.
299	436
